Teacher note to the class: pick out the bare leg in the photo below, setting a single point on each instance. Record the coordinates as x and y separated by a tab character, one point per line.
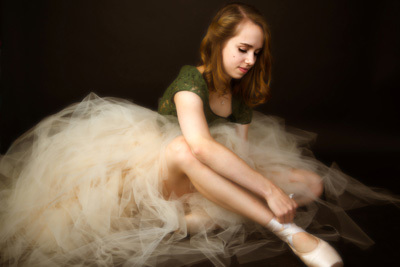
313	184
185	170
309	181
183	165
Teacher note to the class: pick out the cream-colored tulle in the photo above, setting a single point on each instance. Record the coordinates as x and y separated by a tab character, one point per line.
84	187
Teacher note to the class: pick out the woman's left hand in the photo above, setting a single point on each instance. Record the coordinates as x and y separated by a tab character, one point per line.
281	205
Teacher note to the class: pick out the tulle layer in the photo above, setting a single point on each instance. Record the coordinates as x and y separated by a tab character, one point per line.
84	187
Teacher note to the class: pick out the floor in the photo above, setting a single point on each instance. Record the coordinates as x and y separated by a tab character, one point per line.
381	223
382	227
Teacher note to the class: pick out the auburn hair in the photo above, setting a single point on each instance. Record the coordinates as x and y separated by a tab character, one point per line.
254	87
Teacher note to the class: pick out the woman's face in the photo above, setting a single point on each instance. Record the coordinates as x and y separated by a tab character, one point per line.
239	53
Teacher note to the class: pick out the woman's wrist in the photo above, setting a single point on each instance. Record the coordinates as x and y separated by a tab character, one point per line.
267	188
271	190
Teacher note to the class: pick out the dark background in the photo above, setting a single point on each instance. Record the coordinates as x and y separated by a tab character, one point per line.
335	72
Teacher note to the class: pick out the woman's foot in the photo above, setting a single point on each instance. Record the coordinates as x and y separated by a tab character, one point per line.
304	242
323	255
313	251
197	221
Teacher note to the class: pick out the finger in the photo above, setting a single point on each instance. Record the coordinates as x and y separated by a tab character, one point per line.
294	207
281	218
287	216
295	204
291	213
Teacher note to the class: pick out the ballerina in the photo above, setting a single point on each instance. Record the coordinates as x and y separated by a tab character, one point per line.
240	35
107	182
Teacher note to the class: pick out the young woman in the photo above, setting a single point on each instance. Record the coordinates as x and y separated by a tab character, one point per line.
106	182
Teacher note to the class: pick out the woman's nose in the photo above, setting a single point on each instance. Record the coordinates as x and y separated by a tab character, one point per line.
250	59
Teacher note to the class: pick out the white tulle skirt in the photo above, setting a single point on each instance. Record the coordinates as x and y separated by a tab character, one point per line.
84	187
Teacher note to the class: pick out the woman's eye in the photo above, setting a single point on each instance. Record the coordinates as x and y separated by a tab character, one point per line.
242	50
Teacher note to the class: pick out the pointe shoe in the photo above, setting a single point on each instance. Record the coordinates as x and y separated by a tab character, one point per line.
322	256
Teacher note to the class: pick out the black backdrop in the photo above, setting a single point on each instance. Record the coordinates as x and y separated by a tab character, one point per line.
335	71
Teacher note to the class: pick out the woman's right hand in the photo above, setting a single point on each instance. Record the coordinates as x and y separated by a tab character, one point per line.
281	205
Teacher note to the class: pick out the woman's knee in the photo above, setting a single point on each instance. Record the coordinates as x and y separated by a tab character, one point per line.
316	184
312	180
179	153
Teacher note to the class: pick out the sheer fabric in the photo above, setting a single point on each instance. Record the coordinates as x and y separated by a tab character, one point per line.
84	187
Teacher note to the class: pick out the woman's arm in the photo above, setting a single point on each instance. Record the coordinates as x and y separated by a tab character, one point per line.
242	131
223	161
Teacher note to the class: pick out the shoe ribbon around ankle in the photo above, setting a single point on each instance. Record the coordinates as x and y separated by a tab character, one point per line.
284	231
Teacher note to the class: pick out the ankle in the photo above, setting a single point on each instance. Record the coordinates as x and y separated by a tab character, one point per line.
284	231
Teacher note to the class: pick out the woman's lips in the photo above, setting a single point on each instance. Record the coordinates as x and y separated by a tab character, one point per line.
243	70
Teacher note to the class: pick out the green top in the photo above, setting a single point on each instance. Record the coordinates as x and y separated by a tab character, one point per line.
190	79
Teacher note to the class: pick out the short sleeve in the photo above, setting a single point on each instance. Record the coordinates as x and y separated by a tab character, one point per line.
189	79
